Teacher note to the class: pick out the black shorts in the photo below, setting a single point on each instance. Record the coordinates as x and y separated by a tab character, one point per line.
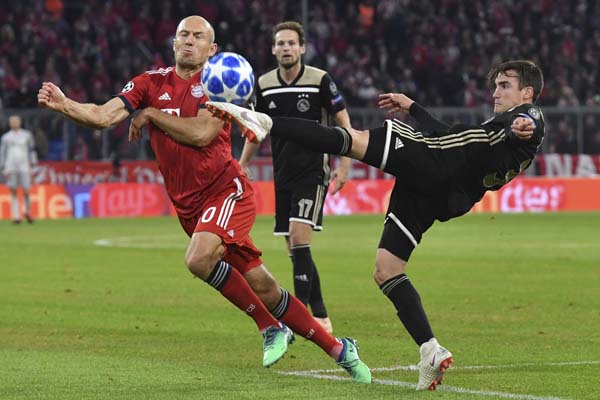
301	201
413	206
409	215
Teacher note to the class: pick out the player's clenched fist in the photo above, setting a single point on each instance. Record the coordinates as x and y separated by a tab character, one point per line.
50	96
523	127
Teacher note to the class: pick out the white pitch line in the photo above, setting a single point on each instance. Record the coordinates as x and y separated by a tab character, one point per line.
455	389
144	242
410	385
454	367
547	364
323	374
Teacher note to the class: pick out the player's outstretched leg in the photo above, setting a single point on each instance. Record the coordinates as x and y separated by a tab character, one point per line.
255	125
435	360
276	343
350	361
310	134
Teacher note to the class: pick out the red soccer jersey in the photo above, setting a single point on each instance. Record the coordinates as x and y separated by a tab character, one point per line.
191	173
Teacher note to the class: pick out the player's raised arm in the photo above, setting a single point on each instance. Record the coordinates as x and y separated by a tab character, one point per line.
91	115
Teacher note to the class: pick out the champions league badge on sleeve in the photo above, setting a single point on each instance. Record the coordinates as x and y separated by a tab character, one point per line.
127	88
197	91
333	89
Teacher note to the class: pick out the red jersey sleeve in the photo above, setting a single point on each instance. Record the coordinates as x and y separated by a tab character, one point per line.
135	92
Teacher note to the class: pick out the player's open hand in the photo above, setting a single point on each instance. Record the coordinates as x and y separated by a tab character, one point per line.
522	128
395	102
338	179
50	96
138	122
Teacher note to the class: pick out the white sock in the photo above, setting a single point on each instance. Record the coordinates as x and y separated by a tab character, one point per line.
14	203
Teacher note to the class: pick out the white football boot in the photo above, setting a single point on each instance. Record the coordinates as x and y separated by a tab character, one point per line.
255	125
435	360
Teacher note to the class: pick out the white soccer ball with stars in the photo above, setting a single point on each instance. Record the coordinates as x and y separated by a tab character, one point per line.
228	77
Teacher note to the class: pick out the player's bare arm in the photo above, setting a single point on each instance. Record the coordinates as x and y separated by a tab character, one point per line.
248	152
340	174
195	131
91	115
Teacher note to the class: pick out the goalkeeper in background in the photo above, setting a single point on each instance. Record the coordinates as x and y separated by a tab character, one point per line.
17	156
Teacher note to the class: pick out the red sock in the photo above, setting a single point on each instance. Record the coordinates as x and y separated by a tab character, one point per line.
300	321
234	288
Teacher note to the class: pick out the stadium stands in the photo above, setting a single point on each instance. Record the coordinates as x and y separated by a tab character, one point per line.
437	51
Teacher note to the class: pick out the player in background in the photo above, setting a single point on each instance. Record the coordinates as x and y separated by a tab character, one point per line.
17	156
301	176
441	172
213	199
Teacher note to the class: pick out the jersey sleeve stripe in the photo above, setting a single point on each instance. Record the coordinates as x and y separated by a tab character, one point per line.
127	104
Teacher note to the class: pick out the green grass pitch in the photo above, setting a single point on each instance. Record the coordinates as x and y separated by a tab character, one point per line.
516	298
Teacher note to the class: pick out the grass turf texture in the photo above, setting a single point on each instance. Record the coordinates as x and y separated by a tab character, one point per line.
82	321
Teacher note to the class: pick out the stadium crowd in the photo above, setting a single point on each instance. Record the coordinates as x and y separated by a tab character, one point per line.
436	51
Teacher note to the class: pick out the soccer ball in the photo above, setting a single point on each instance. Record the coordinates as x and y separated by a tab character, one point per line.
228	77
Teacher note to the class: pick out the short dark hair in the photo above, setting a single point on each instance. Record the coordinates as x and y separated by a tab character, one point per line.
530	74
291	25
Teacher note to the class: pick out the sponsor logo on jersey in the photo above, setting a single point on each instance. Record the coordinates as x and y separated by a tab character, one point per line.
333	89
301	278
230	232
164	96
303	105
162	71
398	144
128	86
272	105
171	111
197	91
534	112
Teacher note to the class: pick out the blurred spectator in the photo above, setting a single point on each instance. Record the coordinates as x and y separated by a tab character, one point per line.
442	43
80	150
116	175
41	142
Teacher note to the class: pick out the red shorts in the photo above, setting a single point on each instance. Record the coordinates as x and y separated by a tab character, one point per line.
230	215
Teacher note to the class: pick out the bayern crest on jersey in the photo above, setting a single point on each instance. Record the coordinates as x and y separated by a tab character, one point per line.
197	91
